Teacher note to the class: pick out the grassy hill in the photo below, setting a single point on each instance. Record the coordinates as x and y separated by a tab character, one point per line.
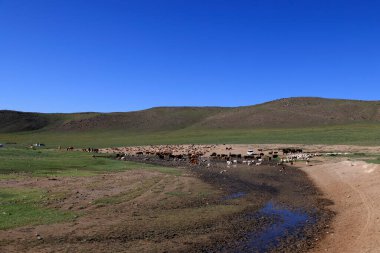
11	121
297	112
291	120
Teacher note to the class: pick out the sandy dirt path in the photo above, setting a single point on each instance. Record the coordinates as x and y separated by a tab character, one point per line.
354	186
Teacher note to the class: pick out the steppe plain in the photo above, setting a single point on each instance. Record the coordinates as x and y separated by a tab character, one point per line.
55	199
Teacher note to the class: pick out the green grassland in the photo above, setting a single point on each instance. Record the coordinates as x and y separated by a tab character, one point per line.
45	162
25	206
357	134
20	207
49	162
376	160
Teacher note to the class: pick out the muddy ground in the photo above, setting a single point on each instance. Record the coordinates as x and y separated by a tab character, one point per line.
286	186
214	209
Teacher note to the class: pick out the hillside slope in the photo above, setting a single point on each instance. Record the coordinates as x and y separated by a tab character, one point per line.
155	119
297	112
282	113
12	121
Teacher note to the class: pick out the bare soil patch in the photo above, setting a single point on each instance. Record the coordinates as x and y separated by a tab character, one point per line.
148	211
354	188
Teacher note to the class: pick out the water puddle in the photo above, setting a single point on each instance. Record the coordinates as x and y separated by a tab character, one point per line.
235	195
286	223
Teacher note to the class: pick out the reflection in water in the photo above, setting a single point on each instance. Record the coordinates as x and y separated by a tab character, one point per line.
286	222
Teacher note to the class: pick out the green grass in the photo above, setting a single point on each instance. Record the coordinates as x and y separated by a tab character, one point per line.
19	207
375	160
54	163
16	162
358	134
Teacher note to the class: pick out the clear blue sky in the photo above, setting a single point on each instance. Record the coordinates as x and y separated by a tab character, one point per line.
120	55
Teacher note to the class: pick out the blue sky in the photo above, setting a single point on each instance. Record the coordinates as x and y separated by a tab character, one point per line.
114	55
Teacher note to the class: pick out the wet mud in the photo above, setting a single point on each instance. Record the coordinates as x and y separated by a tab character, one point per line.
284	211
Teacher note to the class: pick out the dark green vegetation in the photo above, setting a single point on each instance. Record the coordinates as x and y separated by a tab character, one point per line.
19	207
295	120
367	157
360	134
47	162
375	160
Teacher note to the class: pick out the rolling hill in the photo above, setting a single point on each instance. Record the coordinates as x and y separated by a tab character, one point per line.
290	120
282	113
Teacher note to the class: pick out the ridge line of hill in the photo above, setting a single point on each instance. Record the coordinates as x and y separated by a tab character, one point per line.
280	113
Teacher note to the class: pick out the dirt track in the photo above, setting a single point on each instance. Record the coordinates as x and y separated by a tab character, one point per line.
354	188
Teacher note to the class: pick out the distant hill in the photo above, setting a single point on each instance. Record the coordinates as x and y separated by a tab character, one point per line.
12	121
296	112
282	113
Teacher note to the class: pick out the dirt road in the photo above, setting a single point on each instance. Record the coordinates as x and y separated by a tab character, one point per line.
354	187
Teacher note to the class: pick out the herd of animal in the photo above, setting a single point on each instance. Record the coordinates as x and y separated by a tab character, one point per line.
71	148
206	154
192	153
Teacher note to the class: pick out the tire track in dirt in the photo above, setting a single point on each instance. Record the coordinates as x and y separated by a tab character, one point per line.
366	203
352	189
